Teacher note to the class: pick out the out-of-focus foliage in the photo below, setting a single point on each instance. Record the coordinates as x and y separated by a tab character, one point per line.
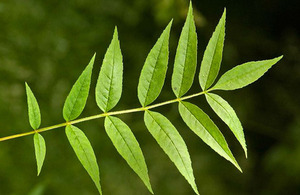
48	42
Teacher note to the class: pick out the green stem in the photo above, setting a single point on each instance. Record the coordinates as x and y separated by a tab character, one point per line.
100	116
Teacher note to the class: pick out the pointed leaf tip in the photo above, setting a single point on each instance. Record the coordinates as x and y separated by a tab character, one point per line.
212	57
244	74
84	152
109	83
78	95
172	144
186	57
154	70
222	108
200	123
128	147
40	151
33	109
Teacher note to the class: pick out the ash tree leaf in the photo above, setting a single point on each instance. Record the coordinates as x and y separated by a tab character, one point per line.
33	109
212	58
244	74
85	153
128	147
204	127
78	95
40	151
172	144
228	115
109	84
154	70
186	57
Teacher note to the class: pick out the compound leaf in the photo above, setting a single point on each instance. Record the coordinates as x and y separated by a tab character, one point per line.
33	109
78	95
205	128
154	70
186	57
85	153
228	115
212	58
40	151
244	74
128	147
172	143
109	84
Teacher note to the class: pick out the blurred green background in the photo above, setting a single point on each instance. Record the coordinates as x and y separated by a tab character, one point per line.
48	43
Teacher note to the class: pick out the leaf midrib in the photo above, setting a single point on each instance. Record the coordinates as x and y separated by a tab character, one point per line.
80	145
156	59
191	179
185	58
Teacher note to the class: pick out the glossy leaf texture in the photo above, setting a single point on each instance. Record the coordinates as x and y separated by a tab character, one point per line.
128	147
228	115
109	84
244	74
154	70
212	58
204	127
33	109
40	151
85	153
172	144
78	95
186	57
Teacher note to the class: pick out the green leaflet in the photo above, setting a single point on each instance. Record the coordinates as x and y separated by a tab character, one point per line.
186	57
172	143
212	58
205	128
78	95
228	115
109	84
128	147
244	74
154	70
33	109
85	153
40	151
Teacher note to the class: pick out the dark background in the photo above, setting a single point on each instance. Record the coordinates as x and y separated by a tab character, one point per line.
48	43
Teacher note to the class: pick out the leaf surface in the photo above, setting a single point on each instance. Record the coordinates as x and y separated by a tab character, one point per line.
78	95
40	151
154	70
172	144
244	74
212	58
85	153
205	128
228	115
33	109
128	147
109	84
186	57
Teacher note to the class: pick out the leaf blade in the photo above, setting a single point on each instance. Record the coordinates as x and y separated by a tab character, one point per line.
76	100
186	57
33	109
85	153
172	143
128	147
244	74
109	83
40	151
154	70
205	128
222	108
212	58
